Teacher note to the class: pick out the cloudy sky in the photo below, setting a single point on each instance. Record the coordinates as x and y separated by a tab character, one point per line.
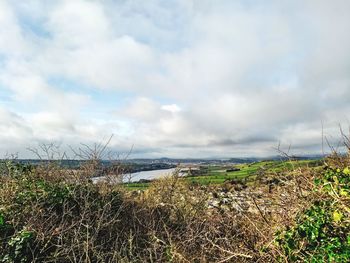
176	78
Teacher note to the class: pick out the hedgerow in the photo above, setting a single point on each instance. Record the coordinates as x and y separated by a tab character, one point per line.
322	232
50	214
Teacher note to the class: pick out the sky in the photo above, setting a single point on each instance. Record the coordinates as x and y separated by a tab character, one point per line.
175	78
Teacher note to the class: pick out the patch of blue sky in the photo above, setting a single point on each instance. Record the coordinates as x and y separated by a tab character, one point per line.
101	100
5	95
33	27
261	5
164	27
106	97
2	60
67	84
169	42
9	102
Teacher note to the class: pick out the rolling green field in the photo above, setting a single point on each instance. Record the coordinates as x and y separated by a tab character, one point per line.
217	174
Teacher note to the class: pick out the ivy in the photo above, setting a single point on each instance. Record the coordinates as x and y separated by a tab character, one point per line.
322	232
18	247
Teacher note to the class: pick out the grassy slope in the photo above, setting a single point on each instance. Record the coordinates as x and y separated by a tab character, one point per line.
218	175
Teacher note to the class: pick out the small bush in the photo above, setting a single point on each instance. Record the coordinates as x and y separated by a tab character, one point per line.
49	215
322	232
48	218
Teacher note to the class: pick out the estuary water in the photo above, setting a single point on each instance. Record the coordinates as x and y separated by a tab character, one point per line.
135	177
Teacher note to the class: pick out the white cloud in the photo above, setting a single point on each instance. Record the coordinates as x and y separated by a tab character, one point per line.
76	24
171	107
11	41
177	78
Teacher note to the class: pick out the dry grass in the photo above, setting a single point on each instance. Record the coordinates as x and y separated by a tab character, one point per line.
70	219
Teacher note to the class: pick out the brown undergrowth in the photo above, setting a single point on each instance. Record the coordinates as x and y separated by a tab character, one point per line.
48	215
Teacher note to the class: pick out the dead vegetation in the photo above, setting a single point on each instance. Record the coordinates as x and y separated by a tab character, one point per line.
49	215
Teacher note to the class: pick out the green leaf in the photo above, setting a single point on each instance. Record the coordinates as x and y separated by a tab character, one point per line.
343	192
337	216
2	220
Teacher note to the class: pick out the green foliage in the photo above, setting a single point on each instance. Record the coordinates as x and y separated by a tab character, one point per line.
34	211
15	169
322	232
335	182
17	248
2	220
14	246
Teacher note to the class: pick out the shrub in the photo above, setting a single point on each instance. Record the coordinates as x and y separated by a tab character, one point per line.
49	215
45	220
48	218
322	231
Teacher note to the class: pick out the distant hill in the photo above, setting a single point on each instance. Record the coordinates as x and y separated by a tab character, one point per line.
146	164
